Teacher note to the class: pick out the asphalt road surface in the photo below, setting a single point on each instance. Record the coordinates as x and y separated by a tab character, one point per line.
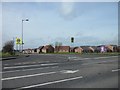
60	71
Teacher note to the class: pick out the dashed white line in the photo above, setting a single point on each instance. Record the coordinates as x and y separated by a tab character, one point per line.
92	58
28	69
17	77
99	62
116	70
30	66
47	83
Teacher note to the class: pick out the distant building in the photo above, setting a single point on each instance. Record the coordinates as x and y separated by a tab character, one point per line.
78	50
118	49
39	50
34	50
95	49
27	51
48	49
87	49
72	49
103	48
109	48
62	48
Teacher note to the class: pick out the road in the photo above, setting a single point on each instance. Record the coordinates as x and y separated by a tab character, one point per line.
60	71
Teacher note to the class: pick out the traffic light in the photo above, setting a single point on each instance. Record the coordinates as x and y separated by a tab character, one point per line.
72	39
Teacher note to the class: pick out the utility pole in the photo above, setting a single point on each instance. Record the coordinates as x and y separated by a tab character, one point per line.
22	31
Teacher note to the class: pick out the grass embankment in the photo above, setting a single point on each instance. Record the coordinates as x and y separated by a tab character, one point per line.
4	55
107	53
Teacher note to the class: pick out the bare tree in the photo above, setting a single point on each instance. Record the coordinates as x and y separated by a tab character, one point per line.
57	45
8	47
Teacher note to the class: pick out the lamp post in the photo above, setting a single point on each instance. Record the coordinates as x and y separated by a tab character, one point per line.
22	31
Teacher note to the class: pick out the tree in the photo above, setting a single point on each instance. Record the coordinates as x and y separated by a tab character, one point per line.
58	43
8	47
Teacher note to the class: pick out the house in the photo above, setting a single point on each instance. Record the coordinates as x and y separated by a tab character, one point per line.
103	48
78	50
39	50
109	48
87	49
34	50
62	48
118	49
98	49
115	47
95	49
48	49
27	51
72	49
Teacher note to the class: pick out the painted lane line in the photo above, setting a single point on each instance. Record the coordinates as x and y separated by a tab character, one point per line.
69	71
116	70
104	57
49	64
28	69
29	66
98	62
93	58
48	83
17	77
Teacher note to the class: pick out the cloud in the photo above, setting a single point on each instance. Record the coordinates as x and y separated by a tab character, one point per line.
67	10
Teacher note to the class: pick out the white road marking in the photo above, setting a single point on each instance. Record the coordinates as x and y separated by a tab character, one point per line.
98	62
69	71
92	58
104	57
29	66
116	70
49	64
47	83
17	77
28	69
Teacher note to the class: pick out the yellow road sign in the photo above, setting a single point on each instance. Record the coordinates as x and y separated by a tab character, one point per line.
18	41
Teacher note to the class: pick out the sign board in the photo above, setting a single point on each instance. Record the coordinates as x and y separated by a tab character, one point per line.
18	41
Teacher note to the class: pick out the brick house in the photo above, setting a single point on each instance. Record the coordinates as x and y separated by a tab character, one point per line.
72	49
39	50
95	48
27	51
87	49
62	48
109	48
78	50
115	47
48	49
34	50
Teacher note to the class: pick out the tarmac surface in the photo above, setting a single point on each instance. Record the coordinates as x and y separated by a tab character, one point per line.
60	71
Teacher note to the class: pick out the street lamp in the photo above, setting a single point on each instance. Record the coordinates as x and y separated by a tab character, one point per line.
22	31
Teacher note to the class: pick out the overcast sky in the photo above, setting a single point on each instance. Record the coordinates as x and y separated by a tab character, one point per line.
89	23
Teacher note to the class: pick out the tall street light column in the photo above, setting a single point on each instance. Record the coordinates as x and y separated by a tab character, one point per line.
22	31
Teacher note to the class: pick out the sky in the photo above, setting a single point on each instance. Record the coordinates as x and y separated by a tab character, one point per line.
90	23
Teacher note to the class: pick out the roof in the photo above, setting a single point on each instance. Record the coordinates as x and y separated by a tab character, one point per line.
40	47
73	48
85	47
79	48
62	47
47	46
27	49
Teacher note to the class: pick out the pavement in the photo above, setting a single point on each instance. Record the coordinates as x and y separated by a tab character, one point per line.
60	71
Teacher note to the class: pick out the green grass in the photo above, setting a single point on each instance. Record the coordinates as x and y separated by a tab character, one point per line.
5	55
61	53
107	53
